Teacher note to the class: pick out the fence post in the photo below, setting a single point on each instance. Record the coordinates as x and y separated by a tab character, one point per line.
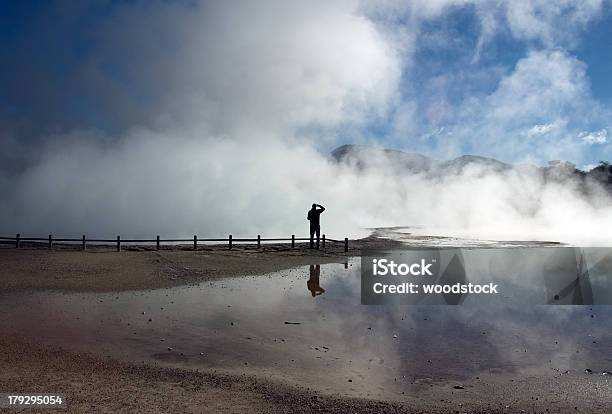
157	243
84	243
17	240
293	241
345	244
258	241
323	242
50	241
118	243
195	242
230	242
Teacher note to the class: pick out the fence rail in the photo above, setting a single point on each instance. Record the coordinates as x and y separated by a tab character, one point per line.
230	240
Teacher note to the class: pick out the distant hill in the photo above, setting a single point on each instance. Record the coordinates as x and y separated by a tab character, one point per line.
363	157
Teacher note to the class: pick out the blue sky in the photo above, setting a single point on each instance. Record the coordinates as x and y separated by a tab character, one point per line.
519	81
450	72
595	50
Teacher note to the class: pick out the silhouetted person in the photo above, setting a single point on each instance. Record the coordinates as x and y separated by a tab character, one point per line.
314	215
313	282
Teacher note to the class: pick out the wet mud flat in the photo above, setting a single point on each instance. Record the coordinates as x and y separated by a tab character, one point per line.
104	270
305	331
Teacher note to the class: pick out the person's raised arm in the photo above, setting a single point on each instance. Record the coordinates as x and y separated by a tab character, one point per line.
321	208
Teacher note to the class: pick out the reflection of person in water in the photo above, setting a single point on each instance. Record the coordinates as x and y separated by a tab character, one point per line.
314	216
313	282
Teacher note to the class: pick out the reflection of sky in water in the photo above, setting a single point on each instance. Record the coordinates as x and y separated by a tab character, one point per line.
567	275
239	325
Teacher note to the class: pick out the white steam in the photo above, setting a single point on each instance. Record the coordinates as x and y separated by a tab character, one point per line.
178	185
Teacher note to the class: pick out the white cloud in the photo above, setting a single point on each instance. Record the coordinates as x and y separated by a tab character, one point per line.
596	137
547	95
550	22
543	84
434	133
542	129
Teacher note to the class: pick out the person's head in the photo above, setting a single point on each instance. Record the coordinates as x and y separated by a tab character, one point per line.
314	206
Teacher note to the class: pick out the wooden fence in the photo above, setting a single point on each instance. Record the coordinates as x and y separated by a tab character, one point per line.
230	241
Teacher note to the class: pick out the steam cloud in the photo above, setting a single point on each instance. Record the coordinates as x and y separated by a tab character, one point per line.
237	106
